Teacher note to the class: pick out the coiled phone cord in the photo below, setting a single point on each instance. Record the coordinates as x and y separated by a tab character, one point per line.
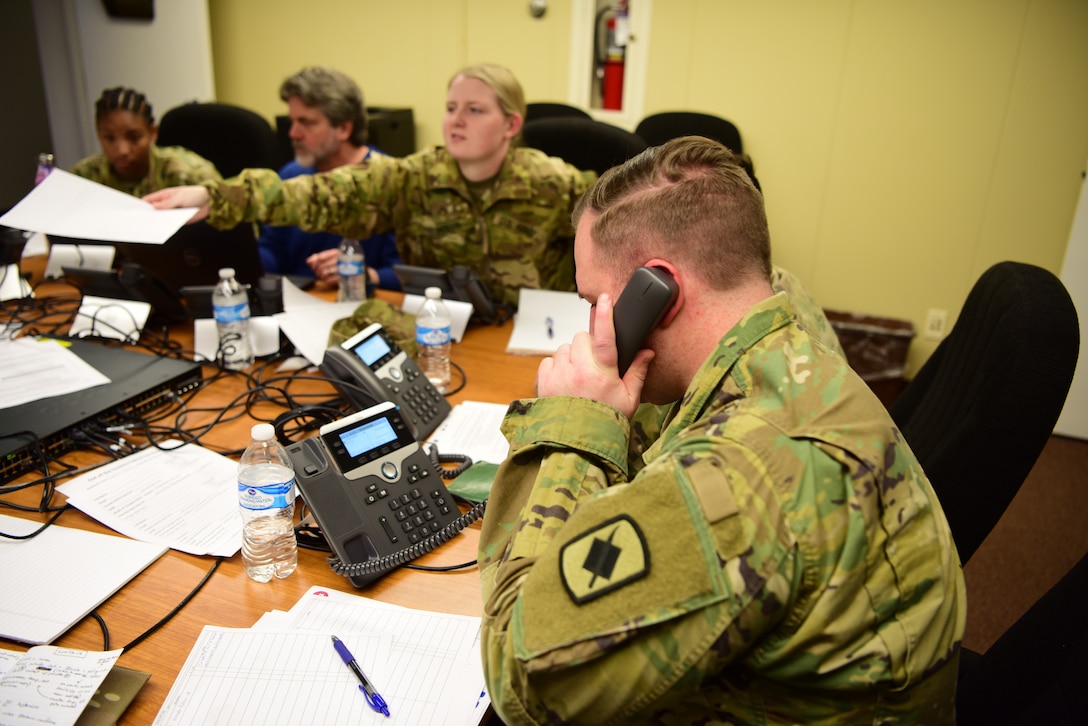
388	562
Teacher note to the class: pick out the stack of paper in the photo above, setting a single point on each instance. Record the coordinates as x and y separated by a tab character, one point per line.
425	665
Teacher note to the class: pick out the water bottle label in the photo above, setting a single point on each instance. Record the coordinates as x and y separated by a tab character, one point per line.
231	313
349	268
432	336
270	496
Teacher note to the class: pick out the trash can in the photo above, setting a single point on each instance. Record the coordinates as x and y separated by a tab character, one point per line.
876	348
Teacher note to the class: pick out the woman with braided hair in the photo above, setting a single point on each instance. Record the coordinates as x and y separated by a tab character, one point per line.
130	161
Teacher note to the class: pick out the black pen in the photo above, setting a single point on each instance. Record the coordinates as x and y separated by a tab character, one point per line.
376	702
548	323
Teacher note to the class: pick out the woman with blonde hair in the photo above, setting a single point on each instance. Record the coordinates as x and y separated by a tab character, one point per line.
479	200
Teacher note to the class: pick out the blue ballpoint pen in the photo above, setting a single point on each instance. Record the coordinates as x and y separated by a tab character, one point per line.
376	702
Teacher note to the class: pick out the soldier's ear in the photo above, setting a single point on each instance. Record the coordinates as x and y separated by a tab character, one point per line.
513	125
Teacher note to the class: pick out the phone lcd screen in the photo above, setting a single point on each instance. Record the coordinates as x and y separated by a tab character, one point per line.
372	350
371	435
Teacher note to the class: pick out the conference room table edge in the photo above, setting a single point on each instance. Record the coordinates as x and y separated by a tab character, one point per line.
229	598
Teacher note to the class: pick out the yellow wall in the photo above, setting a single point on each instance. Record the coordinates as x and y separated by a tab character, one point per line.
903	147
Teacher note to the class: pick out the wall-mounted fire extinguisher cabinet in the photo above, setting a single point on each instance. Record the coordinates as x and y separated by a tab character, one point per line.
611	37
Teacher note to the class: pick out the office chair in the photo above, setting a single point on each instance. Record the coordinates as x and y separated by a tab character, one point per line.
980	410
231	137
657	128
547	109
1036	672
585	143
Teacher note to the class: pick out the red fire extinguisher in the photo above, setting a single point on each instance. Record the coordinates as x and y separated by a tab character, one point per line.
617	37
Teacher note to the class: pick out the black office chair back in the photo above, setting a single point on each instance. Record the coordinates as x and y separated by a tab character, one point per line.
547	109
585	143
658	128
231	137
980	410
1036	672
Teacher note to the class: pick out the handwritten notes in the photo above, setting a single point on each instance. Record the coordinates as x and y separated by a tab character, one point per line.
50	685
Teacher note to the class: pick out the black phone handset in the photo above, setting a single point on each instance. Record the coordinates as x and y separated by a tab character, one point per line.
370	367
649	294
376	494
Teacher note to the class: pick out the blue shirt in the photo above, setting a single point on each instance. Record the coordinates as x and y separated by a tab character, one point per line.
284	249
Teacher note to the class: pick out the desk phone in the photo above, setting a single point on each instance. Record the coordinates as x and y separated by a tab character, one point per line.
376	494
370	367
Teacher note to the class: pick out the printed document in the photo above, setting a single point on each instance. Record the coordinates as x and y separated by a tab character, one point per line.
32	369
185	498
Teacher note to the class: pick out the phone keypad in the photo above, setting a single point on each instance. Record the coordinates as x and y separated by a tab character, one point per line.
425	404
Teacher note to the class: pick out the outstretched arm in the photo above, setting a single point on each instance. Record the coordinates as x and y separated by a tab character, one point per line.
176	197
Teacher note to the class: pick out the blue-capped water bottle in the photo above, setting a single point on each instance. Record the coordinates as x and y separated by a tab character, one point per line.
266	494
433	336
351	266
230	305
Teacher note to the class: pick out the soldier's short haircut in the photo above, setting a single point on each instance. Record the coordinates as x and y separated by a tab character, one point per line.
334	94
123	99
504	83
689	199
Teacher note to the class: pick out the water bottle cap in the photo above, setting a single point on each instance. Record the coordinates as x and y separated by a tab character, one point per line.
226	273
433	293
262	431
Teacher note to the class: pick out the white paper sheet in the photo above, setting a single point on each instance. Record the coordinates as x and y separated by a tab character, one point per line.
264	336
472	429
185	499
54	579
545	320
238	676
85	257
70	206
110	318
32	369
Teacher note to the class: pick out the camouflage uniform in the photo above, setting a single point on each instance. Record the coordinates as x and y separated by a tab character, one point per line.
780	557
810	315
170	166
517	234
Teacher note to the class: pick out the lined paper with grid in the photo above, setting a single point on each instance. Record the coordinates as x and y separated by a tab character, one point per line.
426	665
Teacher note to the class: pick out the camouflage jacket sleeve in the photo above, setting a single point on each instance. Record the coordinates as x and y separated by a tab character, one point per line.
514	234
356	200
772	544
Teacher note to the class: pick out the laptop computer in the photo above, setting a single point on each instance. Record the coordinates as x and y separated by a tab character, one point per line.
196	252
158	274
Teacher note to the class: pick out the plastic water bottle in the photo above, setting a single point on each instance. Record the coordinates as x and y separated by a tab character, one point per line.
266	493
351	267
230	303
433	336
46	164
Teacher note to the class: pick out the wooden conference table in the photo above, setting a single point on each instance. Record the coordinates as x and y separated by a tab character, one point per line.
230	598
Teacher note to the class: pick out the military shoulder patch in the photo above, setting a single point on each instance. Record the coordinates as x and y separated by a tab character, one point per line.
604	559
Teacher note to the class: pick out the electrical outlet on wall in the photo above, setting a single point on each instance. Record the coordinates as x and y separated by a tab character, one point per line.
936	324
